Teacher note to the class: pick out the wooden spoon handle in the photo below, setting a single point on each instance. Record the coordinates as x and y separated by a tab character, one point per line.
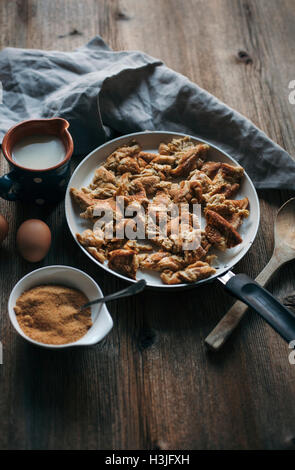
222	331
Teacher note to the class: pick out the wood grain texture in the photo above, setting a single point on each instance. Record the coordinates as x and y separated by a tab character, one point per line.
151	383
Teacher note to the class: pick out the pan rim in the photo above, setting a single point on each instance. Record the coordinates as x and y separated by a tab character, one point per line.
164	286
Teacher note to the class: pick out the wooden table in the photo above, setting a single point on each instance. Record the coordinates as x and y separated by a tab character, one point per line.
151	384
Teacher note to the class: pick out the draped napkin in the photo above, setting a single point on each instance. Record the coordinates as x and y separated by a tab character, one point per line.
103	94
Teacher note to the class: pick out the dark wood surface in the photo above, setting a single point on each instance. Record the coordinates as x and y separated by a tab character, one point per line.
151	383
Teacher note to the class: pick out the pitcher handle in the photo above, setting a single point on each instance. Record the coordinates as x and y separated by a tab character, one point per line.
6	184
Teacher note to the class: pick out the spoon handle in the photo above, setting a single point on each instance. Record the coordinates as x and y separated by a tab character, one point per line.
131	290
271	267
229	322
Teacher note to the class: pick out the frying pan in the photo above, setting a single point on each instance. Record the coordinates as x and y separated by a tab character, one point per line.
240	285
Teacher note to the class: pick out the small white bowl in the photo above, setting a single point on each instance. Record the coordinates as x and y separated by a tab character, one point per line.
72	277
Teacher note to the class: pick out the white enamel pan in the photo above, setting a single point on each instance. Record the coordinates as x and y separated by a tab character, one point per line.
241	286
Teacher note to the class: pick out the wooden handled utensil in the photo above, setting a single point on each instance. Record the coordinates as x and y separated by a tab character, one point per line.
284	250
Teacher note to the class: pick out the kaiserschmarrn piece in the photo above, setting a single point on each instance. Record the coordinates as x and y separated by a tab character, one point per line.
156	184
124	262
192	273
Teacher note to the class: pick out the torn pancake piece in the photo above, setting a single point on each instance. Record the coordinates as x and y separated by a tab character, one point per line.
219	232
83	199
192	273
233	210
124	262
97	253
191	160
94	238
121	159
225	181
160	261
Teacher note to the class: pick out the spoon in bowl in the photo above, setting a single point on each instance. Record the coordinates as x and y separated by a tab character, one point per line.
284	250
131	290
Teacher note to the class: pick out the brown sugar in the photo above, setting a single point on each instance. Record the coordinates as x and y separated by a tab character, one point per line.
50	314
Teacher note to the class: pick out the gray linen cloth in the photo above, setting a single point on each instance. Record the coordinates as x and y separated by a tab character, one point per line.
104	94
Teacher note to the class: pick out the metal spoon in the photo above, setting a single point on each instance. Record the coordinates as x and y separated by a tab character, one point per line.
132	290
284	250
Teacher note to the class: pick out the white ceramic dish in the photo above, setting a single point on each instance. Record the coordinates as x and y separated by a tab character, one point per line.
72	277
149	142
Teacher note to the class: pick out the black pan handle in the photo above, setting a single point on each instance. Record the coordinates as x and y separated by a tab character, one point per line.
265	304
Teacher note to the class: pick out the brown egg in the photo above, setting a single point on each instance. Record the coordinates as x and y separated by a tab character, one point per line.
3	228
33	240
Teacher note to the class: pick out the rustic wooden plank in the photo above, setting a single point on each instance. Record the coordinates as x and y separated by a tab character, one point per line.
151	383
